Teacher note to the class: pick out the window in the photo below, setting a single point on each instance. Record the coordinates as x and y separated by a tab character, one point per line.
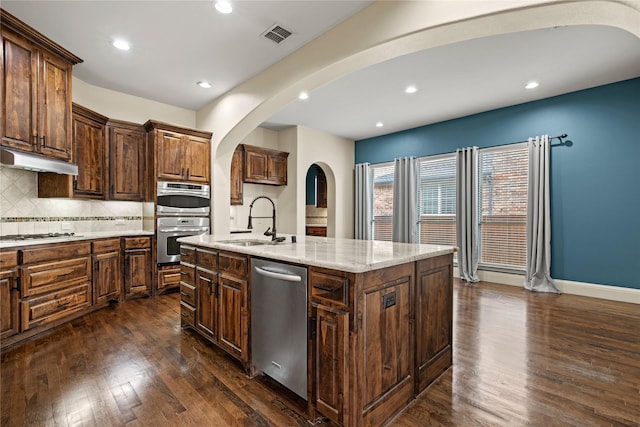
437	200
503	206
382	201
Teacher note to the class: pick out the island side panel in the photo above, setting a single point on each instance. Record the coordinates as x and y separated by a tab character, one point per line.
434	318
384	358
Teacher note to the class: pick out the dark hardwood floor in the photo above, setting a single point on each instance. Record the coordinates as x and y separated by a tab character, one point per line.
519	359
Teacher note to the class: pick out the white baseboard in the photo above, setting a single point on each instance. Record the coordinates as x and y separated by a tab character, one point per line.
613	293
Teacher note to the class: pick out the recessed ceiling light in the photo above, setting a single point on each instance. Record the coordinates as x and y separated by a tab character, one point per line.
121	44
379	124
411	89
303	95
531	85
223	7
204	84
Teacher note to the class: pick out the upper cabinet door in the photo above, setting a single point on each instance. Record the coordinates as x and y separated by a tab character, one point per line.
277	169
18	93
170	156
54	108
196	161
127	163
255	165
89	154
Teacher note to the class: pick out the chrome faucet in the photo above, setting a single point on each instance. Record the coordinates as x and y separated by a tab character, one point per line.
271	231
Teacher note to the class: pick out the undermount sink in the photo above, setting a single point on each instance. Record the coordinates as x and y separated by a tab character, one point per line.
246	242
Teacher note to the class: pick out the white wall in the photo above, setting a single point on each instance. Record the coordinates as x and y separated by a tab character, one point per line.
122	106
305	147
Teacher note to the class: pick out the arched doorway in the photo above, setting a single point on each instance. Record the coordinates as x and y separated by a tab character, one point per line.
316	202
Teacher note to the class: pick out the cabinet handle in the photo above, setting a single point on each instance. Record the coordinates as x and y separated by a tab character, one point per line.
182	172
184	314
63	304
37	141
312	327
184	294
217	289
44	140
18	284
188	172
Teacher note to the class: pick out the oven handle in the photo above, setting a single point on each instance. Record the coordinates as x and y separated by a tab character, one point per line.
182	230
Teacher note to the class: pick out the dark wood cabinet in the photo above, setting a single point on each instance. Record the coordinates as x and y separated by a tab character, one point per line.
434	319
265	166
331	358
137	266
127	161
180	154
89	153
235	177
56	283
107	276
316	231
36	91
168	278
214	292
206	303
321	188
9	295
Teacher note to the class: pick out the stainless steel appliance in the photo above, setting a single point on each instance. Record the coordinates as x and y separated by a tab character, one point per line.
172	228
38	236
182	199
279	323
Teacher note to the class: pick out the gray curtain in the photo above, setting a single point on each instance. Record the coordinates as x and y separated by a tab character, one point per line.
467	212
405	206
364	191
537	276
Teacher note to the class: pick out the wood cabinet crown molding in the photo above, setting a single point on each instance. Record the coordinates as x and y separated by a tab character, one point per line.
89	114
11	22
154	124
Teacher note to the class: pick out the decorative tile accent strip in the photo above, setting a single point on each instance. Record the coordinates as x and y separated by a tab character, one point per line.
70	218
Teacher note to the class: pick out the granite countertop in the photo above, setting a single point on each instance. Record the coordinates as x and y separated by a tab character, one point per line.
355	256
78	237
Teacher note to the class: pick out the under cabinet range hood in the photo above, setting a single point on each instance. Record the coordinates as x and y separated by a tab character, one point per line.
34	162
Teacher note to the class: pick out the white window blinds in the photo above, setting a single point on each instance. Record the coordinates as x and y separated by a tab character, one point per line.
437	200
503	206
382	201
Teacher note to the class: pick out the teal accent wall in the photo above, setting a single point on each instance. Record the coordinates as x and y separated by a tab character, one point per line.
595	183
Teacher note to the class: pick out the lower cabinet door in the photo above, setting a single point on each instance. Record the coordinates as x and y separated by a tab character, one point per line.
106	277
331	358
233	314
55	305
9	308
206	307
137	273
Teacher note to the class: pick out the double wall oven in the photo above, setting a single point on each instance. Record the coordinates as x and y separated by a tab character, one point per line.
182	209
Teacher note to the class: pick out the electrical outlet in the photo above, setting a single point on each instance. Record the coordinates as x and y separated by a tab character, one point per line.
119	222
65	226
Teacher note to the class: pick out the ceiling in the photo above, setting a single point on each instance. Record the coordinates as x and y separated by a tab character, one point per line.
176	44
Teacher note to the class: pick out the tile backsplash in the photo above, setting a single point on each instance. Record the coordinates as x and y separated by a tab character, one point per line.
21	211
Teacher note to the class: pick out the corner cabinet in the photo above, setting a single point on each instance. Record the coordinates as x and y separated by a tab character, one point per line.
235	177
36	91
180	154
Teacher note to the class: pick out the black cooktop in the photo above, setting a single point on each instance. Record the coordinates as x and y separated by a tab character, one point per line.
35	236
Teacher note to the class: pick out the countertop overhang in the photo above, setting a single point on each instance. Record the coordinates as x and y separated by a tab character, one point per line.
354	256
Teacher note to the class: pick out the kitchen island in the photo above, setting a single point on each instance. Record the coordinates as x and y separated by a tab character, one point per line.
379	315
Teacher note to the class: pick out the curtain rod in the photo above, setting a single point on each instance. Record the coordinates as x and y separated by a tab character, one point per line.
559	137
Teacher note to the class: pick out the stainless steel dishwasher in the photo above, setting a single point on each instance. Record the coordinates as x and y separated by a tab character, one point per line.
279	323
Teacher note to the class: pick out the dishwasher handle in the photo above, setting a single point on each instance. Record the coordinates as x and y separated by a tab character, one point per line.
275	275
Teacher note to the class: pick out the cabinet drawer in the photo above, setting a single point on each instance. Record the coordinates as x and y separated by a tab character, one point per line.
232	265
325	286
188	274
104	246
55	305
43	278
187	315
188	254
188	294
136	243
207	259
52	252
8	259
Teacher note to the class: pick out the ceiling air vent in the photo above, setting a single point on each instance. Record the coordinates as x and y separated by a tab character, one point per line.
277	34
